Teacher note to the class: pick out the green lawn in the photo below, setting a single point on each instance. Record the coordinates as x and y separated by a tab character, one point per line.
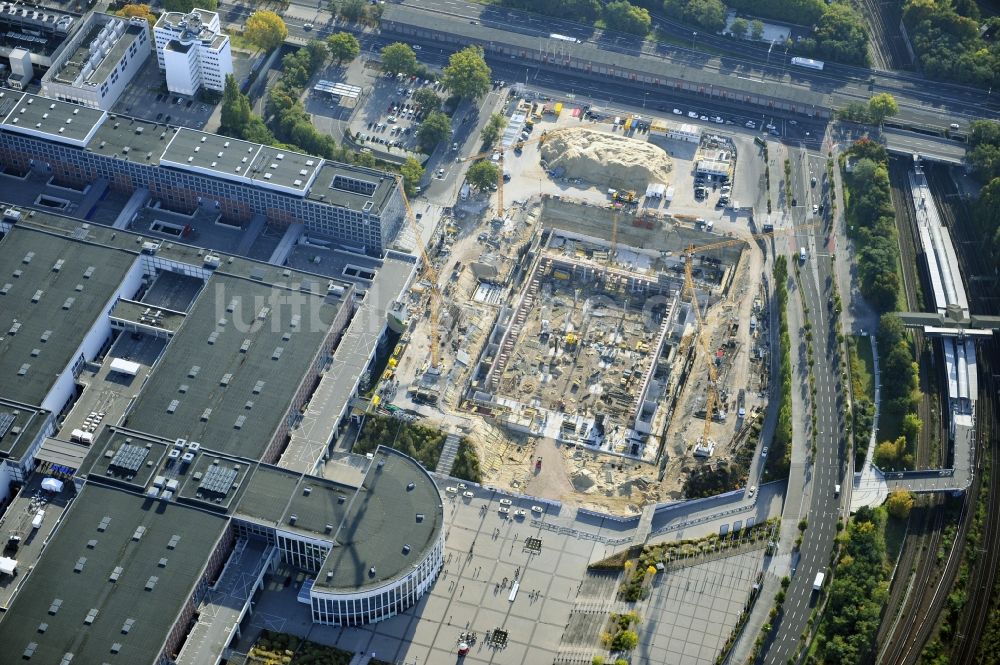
864	372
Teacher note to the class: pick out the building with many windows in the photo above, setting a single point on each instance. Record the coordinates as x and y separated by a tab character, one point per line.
192	51
99	61
176	508
358	208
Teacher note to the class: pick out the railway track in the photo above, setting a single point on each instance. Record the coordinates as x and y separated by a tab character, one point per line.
986	560
881	57
983	575
909	599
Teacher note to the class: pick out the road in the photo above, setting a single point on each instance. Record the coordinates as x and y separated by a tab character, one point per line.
929	104
815	277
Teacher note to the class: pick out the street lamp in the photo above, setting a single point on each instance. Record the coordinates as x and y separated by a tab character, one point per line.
645	96
694	36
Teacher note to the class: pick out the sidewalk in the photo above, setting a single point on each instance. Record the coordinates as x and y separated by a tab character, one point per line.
798	493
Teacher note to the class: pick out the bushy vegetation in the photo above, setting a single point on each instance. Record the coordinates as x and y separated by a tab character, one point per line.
951	41
639	562
872	221
984	157
725	476
185	6
274	648
779	457
620	636
289	125
466	465
856	594
838	31
900	395
418	441
862	393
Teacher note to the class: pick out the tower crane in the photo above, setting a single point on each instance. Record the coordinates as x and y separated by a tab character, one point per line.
430	274
501	150
711	392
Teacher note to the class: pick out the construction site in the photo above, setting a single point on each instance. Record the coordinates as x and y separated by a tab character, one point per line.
595	347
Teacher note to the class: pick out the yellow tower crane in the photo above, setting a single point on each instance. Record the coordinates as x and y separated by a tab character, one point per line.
499	149
711	393
431	275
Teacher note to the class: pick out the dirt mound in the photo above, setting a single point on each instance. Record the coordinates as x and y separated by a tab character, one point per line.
606	159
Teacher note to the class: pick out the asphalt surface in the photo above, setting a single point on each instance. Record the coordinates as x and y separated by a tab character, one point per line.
816	275
933	104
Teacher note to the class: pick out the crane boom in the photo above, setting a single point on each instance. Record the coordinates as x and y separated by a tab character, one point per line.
431	275
710	393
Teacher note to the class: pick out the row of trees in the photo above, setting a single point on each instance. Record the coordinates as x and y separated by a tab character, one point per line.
289	124
900	393
984	156
872	219
356	11
952	43
838	29
857	592
779	460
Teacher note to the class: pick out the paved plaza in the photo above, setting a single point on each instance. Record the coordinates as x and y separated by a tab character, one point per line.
559	609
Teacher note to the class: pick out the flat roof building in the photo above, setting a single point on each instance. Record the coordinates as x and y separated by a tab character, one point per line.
185	170
99	61
54	291
115	582
192	51
40	30
241	365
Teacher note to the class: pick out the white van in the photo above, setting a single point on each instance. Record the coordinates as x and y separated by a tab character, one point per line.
802	254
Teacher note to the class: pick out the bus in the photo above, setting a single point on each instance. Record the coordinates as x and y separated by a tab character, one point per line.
564	38
808	63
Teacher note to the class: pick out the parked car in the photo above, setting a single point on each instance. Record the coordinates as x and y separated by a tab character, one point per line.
692	114
678	112
751	124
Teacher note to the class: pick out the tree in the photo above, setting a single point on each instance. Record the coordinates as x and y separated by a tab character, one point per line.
185	6
412	172
494	126
352	10
399	58
756	30
625	640
467	74
483	174
435	128
882	106
235	108
707	14
343	46
912	424
138	11
265	30
899	503
739	28
622	15
427	99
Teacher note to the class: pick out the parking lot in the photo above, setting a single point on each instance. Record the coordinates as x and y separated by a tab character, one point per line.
390	117
147	98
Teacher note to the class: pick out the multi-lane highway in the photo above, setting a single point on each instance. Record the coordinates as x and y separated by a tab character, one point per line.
815	279
928	104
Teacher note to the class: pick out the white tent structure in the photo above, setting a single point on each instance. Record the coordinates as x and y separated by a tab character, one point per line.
52	485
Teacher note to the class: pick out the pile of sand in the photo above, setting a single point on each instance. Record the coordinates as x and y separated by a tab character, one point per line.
606	159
